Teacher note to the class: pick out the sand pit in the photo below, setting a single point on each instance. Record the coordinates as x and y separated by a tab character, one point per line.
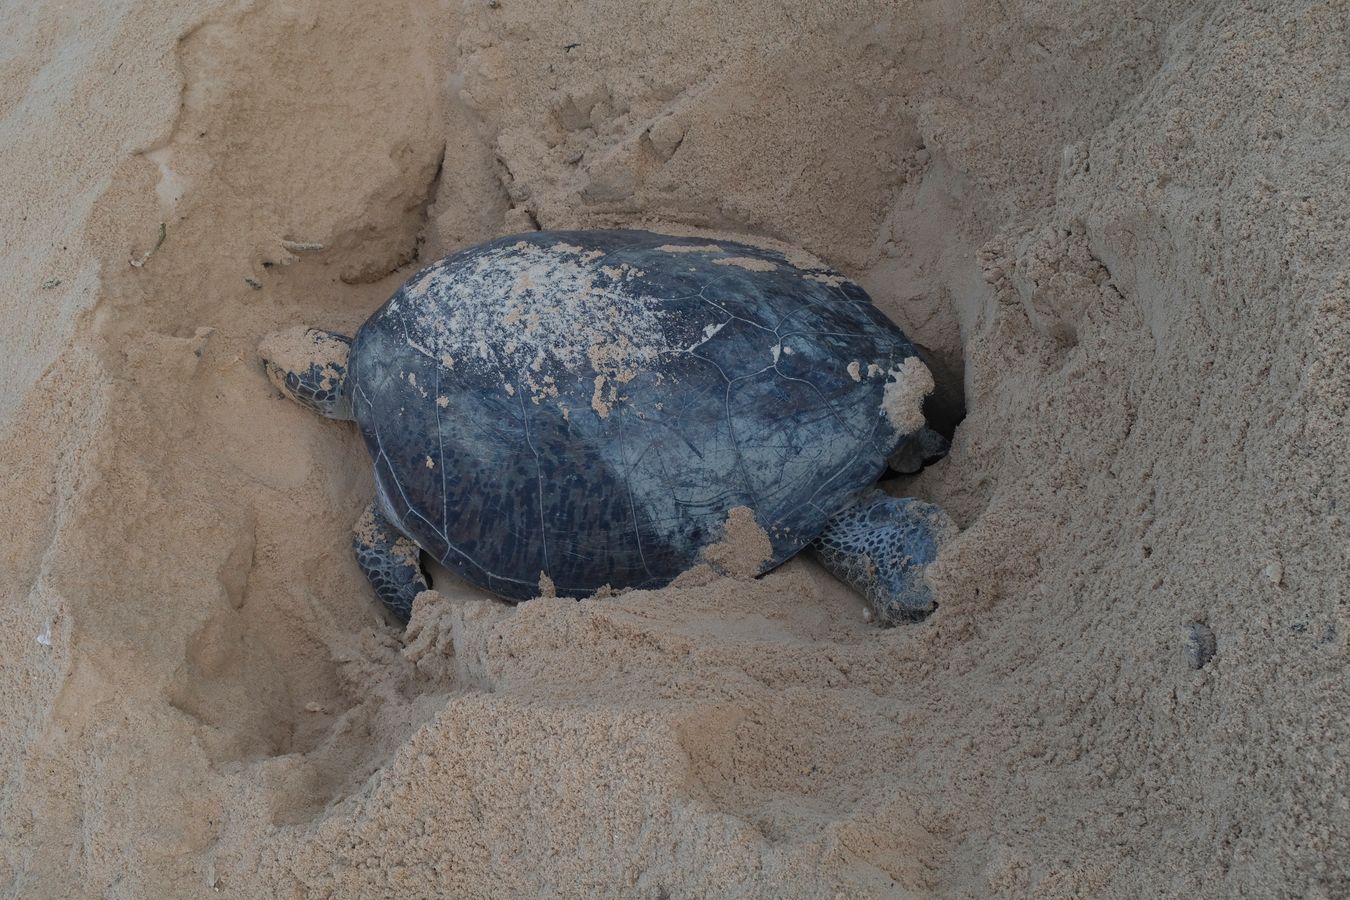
1123	234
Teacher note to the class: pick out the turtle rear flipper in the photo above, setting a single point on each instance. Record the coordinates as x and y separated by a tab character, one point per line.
309	366
391	561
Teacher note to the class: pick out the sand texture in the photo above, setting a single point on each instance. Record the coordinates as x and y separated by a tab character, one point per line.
1121	229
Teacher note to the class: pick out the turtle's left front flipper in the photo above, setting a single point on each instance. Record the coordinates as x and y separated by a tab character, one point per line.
391	561
881	547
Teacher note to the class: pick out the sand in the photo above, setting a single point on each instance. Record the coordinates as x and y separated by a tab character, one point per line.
1121	230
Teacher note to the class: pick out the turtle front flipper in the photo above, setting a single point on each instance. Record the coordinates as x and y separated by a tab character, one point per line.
881	547
391	561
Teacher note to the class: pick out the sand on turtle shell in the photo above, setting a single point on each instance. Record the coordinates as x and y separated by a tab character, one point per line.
747	262
903	395
1121	231
744	547
688	248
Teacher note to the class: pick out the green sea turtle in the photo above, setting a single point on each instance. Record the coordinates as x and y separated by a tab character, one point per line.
556	412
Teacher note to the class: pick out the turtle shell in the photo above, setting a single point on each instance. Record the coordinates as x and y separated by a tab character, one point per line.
587	408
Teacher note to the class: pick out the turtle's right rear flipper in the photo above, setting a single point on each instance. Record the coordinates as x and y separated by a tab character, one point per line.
391	561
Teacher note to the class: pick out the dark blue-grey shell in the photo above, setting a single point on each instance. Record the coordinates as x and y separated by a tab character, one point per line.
591	405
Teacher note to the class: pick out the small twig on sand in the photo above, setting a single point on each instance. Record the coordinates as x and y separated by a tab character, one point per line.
301	246
238	358
163	233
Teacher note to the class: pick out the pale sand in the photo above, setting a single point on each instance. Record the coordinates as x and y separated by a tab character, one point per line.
1130	228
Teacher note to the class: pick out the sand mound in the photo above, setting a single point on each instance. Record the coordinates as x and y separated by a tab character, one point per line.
1122	234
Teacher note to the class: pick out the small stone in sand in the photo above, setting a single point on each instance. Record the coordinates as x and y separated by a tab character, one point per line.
1200	645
